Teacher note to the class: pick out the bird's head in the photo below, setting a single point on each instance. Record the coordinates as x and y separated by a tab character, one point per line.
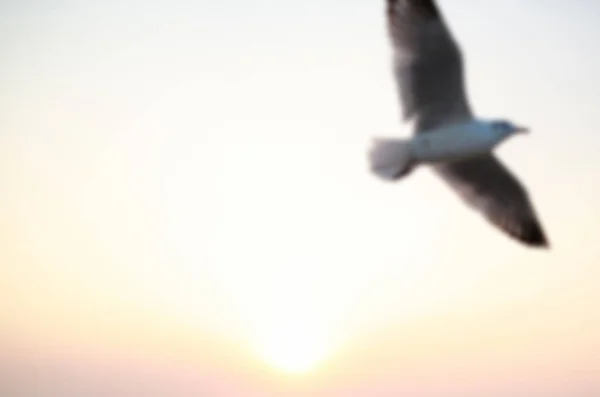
507	128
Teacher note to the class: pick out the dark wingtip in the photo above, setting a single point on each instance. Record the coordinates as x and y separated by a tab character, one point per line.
535	237
427	8
529	233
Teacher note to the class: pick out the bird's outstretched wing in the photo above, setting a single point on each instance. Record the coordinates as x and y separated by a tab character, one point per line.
429	74
488	186
427	64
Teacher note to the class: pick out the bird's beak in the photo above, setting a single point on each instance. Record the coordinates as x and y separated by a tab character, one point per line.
522	130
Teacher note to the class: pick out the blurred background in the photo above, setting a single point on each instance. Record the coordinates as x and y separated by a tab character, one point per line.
186	208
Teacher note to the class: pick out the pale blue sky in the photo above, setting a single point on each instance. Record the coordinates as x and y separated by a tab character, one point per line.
205	162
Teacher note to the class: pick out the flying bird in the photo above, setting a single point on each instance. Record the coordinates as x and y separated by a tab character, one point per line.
428	69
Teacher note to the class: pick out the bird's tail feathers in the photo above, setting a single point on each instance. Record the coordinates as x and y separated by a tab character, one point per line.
390	159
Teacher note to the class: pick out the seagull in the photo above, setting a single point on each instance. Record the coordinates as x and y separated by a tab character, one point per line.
458	146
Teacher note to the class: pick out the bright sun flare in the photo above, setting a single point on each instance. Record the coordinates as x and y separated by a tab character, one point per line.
293	356
293	347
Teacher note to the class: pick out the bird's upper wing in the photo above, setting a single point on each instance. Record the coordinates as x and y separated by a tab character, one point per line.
428	64
487	186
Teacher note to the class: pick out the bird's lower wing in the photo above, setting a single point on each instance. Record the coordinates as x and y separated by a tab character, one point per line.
487	185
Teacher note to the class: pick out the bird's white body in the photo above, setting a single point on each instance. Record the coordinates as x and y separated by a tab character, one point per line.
455	142
393	158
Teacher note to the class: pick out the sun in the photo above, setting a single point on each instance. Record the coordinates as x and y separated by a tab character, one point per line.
294	351
293	345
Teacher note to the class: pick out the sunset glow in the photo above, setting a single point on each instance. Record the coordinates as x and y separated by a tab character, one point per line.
186	208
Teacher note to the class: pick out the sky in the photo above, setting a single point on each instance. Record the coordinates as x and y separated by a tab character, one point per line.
186	206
